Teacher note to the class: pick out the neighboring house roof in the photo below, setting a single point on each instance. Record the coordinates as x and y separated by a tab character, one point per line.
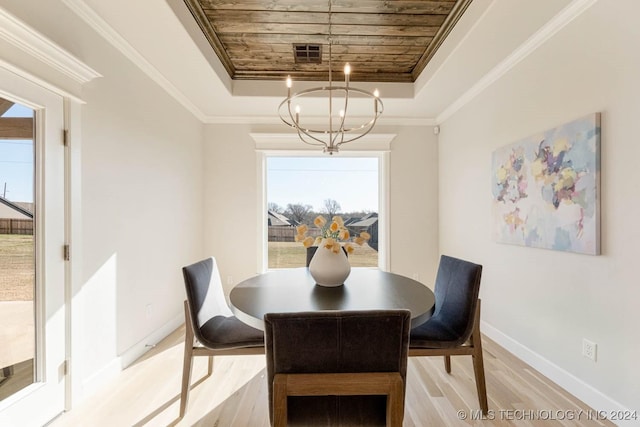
350	221
364	222
15	210
279	220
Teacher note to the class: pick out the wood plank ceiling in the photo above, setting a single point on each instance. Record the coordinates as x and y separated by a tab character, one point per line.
383	40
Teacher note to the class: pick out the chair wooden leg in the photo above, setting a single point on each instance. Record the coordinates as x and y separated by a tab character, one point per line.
187	362
447	364
280	409
395	404
478	363
210	369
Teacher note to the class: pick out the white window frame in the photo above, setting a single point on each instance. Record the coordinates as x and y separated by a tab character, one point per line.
268	145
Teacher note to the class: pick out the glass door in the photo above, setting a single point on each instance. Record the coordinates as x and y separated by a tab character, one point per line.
17	248
32	266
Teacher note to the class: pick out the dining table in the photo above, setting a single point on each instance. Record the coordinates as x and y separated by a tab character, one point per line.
294	290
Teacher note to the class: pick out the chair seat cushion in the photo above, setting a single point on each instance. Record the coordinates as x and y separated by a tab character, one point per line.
434	333
222	332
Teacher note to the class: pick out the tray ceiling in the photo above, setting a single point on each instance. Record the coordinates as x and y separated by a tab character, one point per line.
384	41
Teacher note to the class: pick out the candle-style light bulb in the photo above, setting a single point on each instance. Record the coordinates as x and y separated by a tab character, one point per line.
297	113
341	113
347	69
376	95
289	83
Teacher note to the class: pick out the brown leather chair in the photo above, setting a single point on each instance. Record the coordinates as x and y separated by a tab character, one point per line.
337	367
210	327
454	328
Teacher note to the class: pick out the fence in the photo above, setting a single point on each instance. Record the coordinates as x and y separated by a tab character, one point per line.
287	234
282	234
16	226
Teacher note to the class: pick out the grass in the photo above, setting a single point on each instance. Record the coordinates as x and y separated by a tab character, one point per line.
292	254
17	275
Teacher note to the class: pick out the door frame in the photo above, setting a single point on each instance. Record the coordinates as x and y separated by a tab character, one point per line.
48	391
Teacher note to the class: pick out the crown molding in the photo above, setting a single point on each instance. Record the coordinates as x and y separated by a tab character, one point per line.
274	120
291	141
557	23
88	15
28	40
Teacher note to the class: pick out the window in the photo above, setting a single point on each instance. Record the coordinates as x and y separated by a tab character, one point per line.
299	188
17	248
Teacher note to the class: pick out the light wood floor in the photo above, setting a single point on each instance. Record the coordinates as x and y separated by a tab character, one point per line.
147	393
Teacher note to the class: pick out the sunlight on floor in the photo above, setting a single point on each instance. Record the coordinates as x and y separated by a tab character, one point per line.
151	386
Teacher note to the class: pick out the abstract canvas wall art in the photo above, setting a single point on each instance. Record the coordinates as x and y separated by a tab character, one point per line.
545	189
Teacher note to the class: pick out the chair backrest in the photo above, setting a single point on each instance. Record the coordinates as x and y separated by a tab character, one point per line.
204	292
456	290
336	342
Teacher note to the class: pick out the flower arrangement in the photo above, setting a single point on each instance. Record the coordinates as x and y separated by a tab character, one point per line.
332	233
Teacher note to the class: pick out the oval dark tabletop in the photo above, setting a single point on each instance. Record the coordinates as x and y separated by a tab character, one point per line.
294	290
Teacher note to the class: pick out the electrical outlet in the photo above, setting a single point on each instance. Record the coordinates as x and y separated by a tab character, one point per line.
589	349
148	310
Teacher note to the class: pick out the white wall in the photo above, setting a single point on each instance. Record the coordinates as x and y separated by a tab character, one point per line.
140	203
231	200
142	206
413	198
548	301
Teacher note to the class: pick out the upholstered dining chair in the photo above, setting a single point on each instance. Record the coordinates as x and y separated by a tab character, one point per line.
210	327
337	367
454	328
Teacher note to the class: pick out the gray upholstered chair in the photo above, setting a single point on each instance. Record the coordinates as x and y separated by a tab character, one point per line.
337	367
454	328
210	327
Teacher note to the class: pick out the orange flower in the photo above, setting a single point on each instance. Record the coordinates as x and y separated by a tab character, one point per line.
330	243
320	221
333	235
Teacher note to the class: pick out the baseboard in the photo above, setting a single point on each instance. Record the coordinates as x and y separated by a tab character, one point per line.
137	350
572	384
96	381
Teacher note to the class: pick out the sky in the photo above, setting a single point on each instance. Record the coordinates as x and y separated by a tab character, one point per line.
351	181
16	162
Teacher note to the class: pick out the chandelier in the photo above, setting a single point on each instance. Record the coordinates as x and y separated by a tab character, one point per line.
335	131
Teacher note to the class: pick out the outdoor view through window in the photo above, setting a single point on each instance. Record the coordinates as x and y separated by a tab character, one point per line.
17	260
301	188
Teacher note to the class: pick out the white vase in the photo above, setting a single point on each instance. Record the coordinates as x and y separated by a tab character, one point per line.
328	268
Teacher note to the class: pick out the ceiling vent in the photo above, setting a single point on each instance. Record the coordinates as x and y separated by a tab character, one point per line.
307	53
